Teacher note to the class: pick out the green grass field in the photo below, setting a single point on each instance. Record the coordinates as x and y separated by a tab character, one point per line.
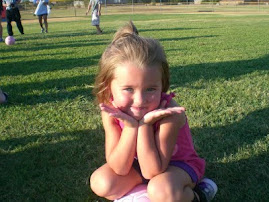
51	133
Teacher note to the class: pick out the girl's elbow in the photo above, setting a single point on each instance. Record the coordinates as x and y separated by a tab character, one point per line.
150	173
148	176
118	169
121	172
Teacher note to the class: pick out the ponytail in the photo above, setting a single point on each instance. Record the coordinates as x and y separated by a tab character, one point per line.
127	30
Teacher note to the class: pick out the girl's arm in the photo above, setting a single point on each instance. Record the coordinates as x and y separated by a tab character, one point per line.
155	150
120	145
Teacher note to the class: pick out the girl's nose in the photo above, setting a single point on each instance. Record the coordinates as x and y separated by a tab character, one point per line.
139	99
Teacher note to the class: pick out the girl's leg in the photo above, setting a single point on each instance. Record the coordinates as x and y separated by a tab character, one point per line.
106	183
40	21
173	185
45	17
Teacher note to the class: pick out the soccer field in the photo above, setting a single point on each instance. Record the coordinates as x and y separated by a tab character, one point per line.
51	135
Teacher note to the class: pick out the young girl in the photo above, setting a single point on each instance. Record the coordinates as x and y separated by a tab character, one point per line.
147	137
42	13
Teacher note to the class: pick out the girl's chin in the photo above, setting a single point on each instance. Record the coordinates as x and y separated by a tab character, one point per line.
137	116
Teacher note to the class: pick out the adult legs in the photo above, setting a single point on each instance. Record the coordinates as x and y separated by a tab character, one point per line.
17	18
9	20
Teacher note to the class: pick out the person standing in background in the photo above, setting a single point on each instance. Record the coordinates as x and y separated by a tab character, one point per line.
96	13
13	14
42	12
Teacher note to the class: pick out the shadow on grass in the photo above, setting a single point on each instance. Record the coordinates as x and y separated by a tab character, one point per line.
243	180
46	65
55	46
62	34
248	177
50	167
186	38
168	29
56	166
181	76
247	131
59	86
187	75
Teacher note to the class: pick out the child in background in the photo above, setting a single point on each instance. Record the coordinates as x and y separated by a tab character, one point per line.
147	137
42	12
96	13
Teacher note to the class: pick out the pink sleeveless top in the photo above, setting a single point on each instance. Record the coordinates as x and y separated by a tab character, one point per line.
184	149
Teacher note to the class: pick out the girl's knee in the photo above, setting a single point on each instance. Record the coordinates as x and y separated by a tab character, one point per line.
158	191
101	184
163	191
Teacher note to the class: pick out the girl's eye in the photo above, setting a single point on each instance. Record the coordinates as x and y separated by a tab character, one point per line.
150	89
129	89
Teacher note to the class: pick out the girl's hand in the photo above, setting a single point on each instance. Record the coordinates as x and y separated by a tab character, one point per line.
115	112
156	115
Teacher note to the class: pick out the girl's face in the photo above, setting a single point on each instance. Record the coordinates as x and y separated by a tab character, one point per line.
136	91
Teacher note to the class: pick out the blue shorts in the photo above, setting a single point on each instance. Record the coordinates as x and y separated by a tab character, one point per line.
180	164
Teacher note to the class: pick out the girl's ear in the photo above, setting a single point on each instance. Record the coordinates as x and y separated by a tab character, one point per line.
111	99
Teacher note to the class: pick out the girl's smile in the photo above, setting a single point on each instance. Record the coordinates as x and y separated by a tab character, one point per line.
136	91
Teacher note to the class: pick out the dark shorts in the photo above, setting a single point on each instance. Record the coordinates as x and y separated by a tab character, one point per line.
43	14
180	164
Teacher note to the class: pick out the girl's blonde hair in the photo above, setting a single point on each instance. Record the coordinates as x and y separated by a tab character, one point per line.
128	46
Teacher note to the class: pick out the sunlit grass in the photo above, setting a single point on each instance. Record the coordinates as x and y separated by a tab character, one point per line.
51	132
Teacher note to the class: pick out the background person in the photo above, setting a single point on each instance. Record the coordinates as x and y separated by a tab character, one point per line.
96	13
42	13
13	14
